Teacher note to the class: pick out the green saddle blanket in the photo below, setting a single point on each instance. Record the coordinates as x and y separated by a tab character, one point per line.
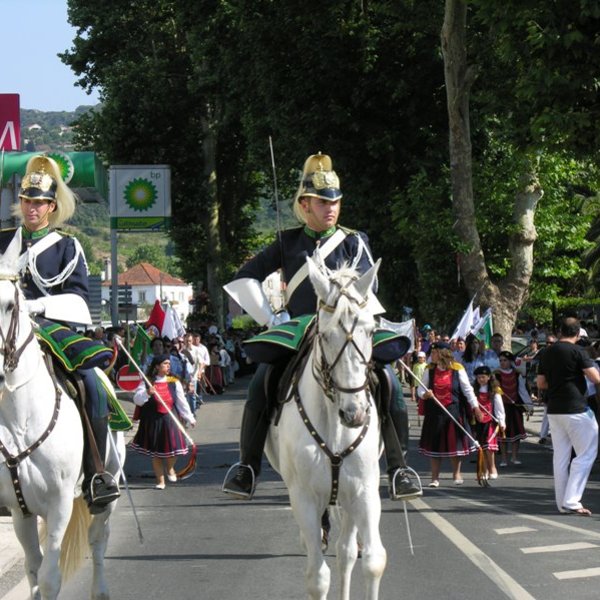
282	341
73	350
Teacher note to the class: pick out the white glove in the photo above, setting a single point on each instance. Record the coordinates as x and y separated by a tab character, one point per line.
35	307
279	318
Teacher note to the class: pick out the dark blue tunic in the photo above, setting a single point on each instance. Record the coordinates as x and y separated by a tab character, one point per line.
290	255
50	263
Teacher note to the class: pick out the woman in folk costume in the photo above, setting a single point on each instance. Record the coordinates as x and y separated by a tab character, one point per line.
317	206
447	384
158	435
54	281
493	420
517	401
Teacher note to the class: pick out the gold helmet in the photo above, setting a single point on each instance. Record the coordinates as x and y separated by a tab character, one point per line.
43	181
40	181
319	180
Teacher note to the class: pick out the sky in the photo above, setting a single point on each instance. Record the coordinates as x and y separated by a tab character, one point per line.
32	33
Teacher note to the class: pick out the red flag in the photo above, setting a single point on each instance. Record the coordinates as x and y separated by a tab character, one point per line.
157	318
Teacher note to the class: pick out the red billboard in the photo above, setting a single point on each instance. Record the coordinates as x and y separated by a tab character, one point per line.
10	122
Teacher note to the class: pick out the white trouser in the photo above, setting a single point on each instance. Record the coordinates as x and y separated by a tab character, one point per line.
578	432
545	426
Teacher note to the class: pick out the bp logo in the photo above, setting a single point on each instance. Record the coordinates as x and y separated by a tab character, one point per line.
140	194
65	164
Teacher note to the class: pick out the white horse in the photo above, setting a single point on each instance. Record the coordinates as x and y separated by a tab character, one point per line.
326	445
41	429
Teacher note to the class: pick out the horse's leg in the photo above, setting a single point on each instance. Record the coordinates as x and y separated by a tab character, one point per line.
308	517
27	534
57	520
347	552
99	529
98	537
367	513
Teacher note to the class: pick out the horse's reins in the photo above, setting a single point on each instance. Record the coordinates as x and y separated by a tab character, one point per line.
324	377
12	354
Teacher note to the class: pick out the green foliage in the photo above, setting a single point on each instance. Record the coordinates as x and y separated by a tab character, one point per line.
364	83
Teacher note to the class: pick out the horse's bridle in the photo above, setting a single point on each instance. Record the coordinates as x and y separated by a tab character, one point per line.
12	354
323	372
324	376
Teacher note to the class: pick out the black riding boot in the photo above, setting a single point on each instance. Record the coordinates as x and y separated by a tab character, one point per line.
400	485
252	442
99	487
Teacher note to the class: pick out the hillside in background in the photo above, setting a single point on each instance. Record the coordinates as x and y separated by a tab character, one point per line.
50	131
42	131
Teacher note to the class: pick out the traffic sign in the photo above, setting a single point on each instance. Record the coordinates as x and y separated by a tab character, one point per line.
128	380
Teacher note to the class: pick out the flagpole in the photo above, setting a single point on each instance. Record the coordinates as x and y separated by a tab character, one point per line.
156	394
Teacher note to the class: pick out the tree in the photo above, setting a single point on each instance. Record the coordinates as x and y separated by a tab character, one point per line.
172	120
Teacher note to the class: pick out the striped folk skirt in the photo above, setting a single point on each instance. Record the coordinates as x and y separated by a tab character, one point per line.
158	436
515	427
440	437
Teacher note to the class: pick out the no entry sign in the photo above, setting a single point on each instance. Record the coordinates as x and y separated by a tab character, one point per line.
128	380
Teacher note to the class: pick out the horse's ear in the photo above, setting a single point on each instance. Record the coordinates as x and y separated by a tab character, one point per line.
364	284
318	279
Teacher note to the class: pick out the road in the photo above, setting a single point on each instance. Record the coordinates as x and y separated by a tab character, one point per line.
469	542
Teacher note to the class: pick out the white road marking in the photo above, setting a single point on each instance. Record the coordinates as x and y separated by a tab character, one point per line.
559	548
509	530
488	567
579	574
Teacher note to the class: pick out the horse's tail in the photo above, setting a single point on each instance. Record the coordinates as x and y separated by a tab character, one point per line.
75	542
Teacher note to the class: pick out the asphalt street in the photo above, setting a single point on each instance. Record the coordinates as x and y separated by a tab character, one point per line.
469	542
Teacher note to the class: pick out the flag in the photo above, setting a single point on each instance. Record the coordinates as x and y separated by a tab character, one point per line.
465	324
141	347
483	329
406	328
172	325
156	318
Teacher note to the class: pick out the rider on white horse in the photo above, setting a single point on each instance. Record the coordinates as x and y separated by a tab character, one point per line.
54	281
317	205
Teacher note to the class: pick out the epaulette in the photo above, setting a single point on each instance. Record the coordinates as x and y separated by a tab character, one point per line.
63	232
347	230
457	366
172	379
8	229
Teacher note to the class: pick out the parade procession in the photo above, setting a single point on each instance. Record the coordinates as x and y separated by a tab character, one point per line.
262	342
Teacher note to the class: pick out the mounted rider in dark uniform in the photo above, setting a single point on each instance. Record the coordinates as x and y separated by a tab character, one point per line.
317	205
54	281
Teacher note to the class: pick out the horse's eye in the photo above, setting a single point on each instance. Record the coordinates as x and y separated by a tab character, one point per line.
10	306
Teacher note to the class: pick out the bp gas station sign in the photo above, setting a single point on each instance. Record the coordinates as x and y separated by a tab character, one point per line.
140	197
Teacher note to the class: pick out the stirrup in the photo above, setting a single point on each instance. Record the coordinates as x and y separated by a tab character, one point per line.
239	493
417	484
107	481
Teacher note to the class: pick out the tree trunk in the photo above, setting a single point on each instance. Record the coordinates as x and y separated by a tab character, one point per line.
211	210
507	297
